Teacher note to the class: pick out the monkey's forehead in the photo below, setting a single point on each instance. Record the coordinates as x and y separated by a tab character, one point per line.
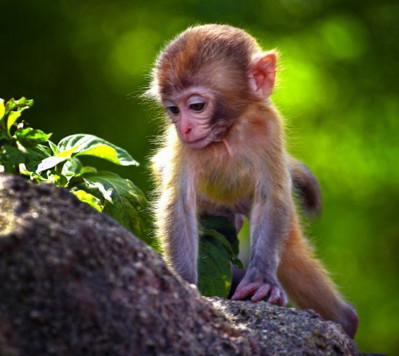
199	45
201	52
215	77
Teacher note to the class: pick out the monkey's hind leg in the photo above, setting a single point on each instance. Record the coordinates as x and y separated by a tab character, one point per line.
307	283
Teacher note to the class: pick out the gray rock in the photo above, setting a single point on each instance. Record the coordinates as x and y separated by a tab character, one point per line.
288	331
74	282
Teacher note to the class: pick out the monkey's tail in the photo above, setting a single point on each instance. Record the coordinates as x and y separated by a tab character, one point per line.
309	286
307	187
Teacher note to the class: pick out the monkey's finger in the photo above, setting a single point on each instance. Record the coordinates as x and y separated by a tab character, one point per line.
283	301
261	293
243	292
275	295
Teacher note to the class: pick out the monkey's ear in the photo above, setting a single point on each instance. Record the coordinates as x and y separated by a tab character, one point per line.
262	74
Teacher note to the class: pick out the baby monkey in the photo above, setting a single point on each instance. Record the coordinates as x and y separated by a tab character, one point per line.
224	154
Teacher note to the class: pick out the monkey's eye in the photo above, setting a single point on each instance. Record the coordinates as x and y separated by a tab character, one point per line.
196	103
197	106
173	109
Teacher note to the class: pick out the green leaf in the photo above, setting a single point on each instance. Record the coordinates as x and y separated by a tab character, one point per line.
72	167
31	136
88	198
12	118
11	155
89	145
3	135
34	155
218	249
122	200
2	108
224	227
53	147
18	105
67	153
237	262
214	271
55	178
23	170
21	104
10	105
50	162
36	178
88	169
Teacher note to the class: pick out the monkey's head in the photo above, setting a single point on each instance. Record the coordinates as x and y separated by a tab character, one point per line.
207	77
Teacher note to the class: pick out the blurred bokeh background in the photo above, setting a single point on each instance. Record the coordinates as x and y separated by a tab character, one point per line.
86	63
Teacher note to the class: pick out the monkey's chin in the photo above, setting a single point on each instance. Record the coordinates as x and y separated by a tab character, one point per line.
199	144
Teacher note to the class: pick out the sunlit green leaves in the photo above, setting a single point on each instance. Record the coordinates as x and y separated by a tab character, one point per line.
2	108
12	119
89	145
86	145
13	110
31	136
34	154
88	198
29	152
14	139
121	199
50	162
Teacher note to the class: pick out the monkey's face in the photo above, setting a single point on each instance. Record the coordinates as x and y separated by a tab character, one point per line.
207	79
194	113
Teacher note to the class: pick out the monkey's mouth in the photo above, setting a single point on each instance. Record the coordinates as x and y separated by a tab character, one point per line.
200	143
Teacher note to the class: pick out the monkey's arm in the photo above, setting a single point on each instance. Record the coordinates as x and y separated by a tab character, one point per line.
177	225
270	219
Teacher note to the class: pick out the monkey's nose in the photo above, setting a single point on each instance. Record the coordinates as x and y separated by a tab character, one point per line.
186	132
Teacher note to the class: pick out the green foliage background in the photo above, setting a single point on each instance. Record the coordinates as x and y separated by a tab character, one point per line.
86	63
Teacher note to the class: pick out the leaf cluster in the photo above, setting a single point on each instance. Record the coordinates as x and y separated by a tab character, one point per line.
31	153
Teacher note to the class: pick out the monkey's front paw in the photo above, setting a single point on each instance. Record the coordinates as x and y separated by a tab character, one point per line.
257	291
